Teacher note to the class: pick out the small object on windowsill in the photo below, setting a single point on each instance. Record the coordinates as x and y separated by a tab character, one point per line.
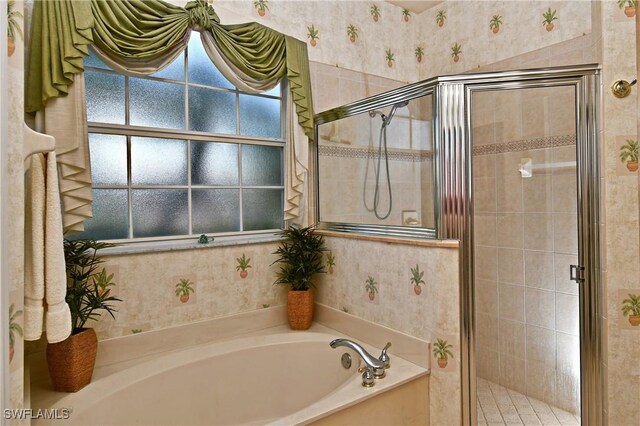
205	240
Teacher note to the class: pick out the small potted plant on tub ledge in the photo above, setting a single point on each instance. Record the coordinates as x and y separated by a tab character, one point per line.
300	256
71	362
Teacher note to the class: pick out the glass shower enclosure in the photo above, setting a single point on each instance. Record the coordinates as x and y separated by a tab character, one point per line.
506	163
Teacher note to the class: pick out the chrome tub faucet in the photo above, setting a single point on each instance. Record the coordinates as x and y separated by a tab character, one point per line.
374	367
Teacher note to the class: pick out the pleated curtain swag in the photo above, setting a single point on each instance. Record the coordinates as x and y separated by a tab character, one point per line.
141	37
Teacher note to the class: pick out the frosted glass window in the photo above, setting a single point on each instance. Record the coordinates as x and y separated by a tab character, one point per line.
273	92
215	210
159	212
105	97
260	116
212	111
214	163
108	159
261	209
93	61
158	161
173	71
261	165
156	104
110	216
201	69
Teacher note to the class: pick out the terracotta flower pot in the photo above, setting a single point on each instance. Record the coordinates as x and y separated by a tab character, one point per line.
456	58
406	18
313	43
390	64
630	11
549	27
441	23
243	274
495	30
442	363
261	12
634	320
417	289
184	298
372	296
632	166
12	352
331	270
352	39
419	59
71	361
375	18
300	309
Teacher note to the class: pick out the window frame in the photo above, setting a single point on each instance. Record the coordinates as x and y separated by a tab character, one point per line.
129	131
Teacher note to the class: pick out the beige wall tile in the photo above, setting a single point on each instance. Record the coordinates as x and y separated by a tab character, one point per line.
564	192
509	193
538	231
510	230
540	308
486	297
511	302
485	229
511	266
486	263
567	317
512	373
539	270
537	193
541	346
565	227
541	381
512	339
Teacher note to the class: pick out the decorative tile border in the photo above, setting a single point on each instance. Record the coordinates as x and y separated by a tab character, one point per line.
366	152
525	145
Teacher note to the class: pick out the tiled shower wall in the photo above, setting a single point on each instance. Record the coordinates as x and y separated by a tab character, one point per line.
525	240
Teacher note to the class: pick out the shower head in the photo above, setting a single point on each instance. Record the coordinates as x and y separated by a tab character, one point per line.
401	104
394	107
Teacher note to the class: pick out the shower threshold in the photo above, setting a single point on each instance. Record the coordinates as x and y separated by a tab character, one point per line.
498	405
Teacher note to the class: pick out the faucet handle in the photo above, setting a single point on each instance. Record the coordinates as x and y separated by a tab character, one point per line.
384	357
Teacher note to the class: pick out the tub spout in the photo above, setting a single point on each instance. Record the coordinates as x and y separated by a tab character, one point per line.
371	362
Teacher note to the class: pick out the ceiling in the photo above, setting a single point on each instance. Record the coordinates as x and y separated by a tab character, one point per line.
415	6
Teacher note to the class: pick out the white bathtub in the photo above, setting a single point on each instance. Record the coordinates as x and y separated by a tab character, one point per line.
276	376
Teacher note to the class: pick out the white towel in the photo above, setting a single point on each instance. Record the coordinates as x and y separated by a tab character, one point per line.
45	267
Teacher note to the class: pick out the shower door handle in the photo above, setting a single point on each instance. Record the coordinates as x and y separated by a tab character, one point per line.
576	273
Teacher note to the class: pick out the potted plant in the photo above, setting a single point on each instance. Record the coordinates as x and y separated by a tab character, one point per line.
416	279
71	361
629	7
371	287
494	24
300	256
456	50
419	52
549	16
261	6
13	27
389	57
441	16
631	308
243	265
183	289
375	12
442	352
14	328
352	32
629	154
312	34
406	14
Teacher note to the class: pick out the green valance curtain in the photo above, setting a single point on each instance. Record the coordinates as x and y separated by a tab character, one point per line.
140	37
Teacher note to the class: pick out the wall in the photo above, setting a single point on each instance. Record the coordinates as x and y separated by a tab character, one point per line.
525	240
378	288
16	208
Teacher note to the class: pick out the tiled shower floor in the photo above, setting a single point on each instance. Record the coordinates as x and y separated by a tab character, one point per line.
498	405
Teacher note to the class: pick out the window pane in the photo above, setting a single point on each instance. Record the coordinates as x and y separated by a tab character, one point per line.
262	209
201	69
259	116
110	216
261	165
93	61
212	111
215	210
108	159
105	97
273	92
156	104
173	71
158	161
214	163
159	212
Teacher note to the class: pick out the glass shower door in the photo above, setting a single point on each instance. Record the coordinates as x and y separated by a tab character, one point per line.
527	346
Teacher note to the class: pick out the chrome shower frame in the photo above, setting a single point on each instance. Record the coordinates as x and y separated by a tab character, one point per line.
453	192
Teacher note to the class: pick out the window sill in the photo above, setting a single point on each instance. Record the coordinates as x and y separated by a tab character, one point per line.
191	244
